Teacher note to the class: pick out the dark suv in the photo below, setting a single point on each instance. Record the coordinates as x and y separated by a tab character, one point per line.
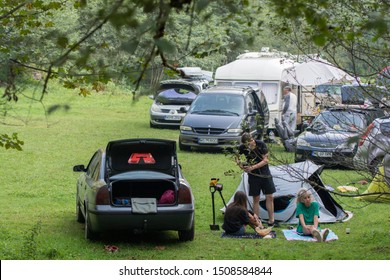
219	115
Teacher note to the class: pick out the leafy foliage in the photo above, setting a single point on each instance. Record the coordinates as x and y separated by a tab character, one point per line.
85	42
11	142
352	34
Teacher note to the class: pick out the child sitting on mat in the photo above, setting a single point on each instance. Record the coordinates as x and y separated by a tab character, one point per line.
308	213
237	217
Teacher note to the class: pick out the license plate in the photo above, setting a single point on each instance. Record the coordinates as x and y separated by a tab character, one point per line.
172	118
208	141
322	154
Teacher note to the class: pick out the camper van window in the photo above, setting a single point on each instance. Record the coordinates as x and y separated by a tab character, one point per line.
270	91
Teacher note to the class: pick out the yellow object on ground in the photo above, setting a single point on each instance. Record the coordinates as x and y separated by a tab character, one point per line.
378	186
344	189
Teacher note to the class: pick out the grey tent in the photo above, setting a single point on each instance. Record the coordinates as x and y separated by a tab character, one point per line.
288	180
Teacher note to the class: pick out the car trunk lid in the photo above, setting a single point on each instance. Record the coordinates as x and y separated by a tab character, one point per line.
141	155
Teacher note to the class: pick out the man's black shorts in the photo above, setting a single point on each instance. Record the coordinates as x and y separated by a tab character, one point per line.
260	183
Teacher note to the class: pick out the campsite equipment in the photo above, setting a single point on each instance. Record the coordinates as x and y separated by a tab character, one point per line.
288	179
214	186
286	135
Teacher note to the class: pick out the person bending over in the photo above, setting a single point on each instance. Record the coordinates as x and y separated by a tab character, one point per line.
237	217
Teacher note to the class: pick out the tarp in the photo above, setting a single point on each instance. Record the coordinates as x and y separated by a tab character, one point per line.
289	179
378	186
315	72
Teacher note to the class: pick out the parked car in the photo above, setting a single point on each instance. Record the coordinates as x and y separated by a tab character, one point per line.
363	95
332	137
173	98
327	95
219	115
374	145
135	184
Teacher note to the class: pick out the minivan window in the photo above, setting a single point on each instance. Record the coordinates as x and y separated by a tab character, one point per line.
218	104
250	103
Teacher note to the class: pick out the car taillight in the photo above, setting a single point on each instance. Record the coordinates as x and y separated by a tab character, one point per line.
184	195
365	134
103	196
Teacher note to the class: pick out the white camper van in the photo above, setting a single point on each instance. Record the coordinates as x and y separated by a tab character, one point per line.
262	70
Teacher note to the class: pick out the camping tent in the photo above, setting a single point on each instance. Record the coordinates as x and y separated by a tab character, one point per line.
288	180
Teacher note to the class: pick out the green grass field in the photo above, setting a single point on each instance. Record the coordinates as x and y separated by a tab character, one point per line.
38	187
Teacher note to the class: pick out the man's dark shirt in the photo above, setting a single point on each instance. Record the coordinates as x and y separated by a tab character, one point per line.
255	156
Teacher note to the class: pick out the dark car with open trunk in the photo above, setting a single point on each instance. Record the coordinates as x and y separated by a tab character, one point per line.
135	184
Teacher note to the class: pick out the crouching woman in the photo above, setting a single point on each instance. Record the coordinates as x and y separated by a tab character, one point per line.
237	217
307	213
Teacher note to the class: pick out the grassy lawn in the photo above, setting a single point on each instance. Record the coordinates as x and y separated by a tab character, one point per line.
37	200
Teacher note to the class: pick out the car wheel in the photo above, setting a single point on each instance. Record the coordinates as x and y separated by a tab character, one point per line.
187	235
152	125
183	147
374	166
89	234
79	213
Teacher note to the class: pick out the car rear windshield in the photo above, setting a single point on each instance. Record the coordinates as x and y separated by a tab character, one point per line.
176	96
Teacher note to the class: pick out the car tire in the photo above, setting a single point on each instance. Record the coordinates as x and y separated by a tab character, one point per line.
374	166
79	213
183	147
89	234
187	235
152	125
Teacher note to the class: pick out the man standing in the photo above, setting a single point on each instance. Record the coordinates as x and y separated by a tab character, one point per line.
259	174
289	111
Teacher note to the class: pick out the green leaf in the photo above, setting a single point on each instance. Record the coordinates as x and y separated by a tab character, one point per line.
62	41
165	46
319	40
201	5
84	92
130	46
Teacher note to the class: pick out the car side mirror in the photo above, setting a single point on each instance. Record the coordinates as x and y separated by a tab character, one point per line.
183	110
151	97
79	168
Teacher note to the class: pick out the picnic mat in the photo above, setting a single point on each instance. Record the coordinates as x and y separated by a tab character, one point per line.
291	234
249	235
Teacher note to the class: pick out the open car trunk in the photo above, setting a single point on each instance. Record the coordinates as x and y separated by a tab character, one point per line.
142	171
163	192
